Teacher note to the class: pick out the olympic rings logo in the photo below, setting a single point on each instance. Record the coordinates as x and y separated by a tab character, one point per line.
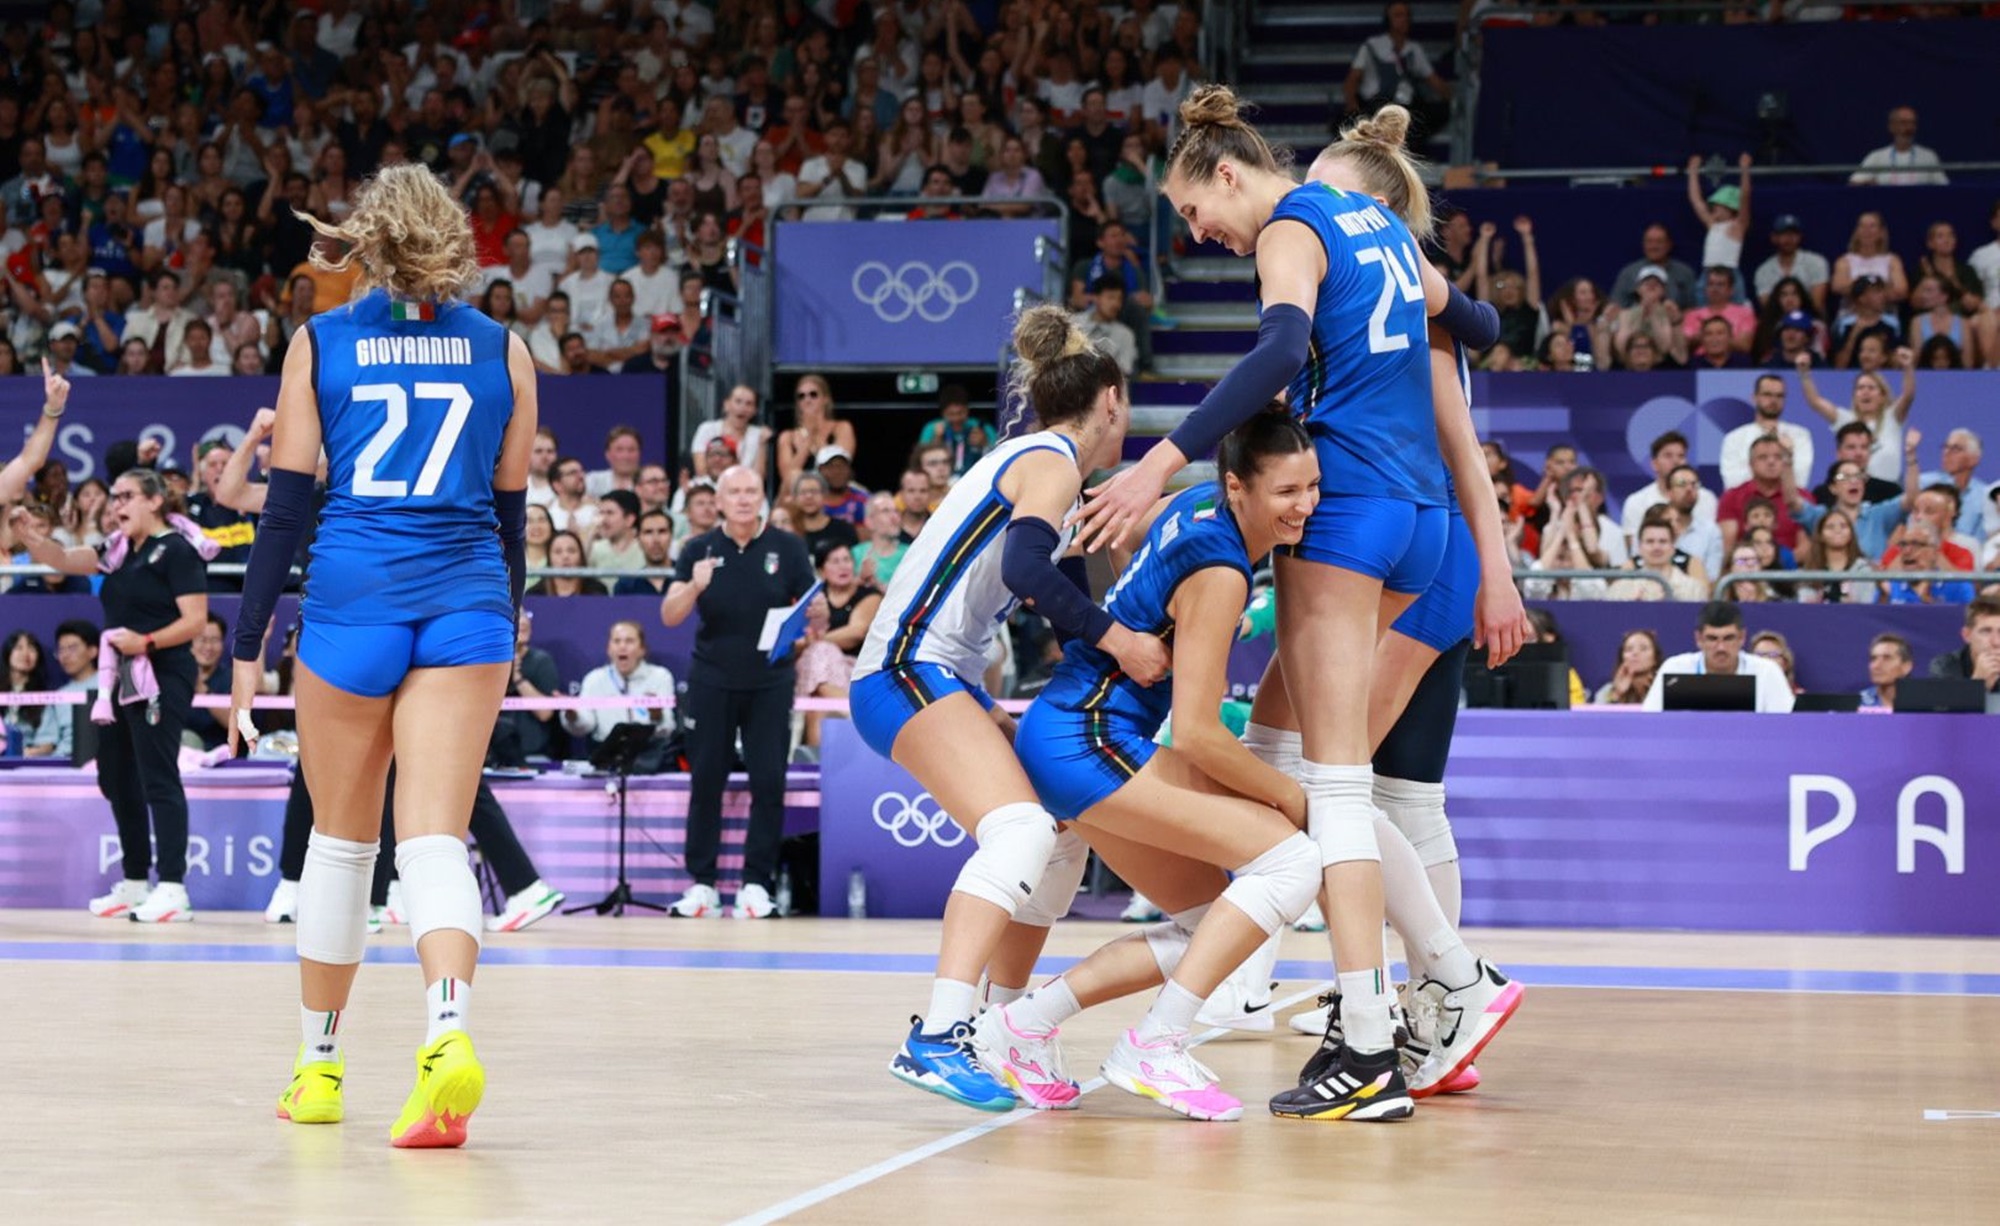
915	820
915	288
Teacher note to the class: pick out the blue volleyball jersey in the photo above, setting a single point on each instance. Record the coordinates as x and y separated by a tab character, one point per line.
413	413
1195	531
1366	384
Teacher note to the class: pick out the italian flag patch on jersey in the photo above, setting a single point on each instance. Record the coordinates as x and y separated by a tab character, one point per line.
408	312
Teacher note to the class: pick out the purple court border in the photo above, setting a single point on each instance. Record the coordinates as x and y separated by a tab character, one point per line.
1656	978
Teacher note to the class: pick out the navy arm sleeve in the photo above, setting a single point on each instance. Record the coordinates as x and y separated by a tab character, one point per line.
287	506
1284	338
1476	325
1077	571
510	507
1028	572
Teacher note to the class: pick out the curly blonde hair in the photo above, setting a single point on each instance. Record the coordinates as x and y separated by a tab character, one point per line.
407	234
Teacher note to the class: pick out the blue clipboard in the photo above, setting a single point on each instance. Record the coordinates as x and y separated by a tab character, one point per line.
794	627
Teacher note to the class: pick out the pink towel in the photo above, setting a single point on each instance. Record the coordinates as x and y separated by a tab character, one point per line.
117	545
139	683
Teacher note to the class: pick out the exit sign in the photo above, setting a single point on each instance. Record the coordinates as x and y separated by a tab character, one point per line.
917	383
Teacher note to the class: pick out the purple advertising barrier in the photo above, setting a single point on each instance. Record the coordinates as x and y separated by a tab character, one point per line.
62	849
183	413
1799	823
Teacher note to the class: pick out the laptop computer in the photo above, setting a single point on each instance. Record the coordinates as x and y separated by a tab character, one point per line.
1827	702
1537	679
1708	692
1955	695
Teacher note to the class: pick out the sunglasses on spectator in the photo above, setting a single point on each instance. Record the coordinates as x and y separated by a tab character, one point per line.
808	394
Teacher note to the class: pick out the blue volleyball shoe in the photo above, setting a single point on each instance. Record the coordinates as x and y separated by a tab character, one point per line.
945	1064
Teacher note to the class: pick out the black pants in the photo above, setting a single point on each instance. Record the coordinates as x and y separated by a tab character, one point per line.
498	845
713	717
138	768
1419	745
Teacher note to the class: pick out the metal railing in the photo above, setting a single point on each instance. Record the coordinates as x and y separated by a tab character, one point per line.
738	349
1714	168
1609	575
874	208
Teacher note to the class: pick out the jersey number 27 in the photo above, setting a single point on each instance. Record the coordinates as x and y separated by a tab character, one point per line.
396	419
1396	278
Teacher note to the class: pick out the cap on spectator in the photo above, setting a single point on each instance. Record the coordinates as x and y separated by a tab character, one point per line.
703	483
666	321
65	329
583	242
1729	197
169	464
94	271
202	449
460	139
1654	271
1787	223
1797	320
831	452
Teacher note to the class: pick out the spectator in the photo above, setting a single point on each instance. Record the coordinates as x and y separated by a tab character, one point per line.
1937	505
915	498
1788	336
540	531
231	530
876	558
1770	480
576	356
1725	219
1979	658
1519	302
27	671
1889	661
76	655
620	335
1745	559
1115	258
1863	333
937	184
1917	550
1015	180
1657	557
934	460
652	487
627	673
1902	162
698	513
1985	261
1837	547
836	626
551	237
656	547
833	175
1669	454
1719	289
566	553
1885	418
1958	464
655	284
1872	523
809	514
530	282
1586	320
662	355
732	688
1656	248
714	183
1868	255
1767	400
1391	68
616	546
1789	259
522	735
204	731
1654	316
1935	322
197	356
816	428
587	286
1696	538
1638	659
844	499
622	448
1719	639
749	443
1716	348
1101	323
163	325
1772	646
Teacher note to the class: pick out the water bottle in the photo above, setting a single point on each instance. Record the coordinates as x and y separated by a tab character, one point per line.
857	895
784	898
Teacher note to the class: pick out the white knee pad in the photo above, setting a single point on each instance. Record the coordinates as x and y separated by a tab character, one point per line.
1417	809
1340	812
438	887
1016	843
333	899
1060	881
1169	941
1278	886
1275	747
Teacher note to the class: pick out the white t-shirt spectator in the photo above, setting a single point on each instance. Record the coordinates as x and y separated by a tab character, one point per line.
530	287
687	22
1411	63
853	181
337	34
156	232
548	246
1161	105
587	297
1893	167
735	149
1810	267
544	345
1649	496
1064	101
654	293
1986	262
1774	693
647	680
605	334
1735	462
755	437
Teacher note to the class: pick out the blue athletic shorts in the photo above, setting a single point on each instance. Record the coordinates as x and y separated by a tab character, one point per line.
372	660
1443	614
1398	542
882	702
1076	759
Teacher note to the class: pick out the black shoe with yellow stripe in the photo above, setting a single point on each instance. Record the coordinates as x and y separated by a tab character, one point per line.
1354	1087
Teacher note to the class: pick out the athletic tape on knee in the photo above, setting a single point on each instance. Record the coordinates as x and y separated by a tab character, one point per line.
1277	748
1016	843
1277	887
333	899
1417	809
1340	812
439	890
1060	881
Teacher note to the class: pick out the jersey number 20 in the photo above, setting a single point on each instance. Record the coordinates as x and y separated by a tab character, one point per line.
395	419
1396	278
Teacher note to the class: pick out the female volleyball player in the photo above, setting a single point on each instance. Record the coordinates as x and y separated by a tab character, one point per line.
1343	285
426	410
916	696
1172	819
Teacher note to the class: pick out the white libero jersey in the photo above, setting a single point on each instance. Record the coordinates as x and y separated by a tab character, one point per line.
947	598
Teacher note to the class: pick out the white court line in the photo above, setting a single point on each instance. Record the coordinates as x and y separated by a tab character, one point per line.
910	1157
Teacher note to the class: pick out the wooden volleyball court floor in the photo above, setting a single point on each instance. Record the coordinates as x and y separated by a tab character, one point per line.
730	1072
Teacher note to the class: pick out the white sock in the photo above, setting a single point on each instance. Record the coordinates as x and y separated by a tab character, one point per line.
1172	1013
446	1003
1001	994
951	1003
1044	1009
1449	888
1429	941
1365	1019
319	1029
